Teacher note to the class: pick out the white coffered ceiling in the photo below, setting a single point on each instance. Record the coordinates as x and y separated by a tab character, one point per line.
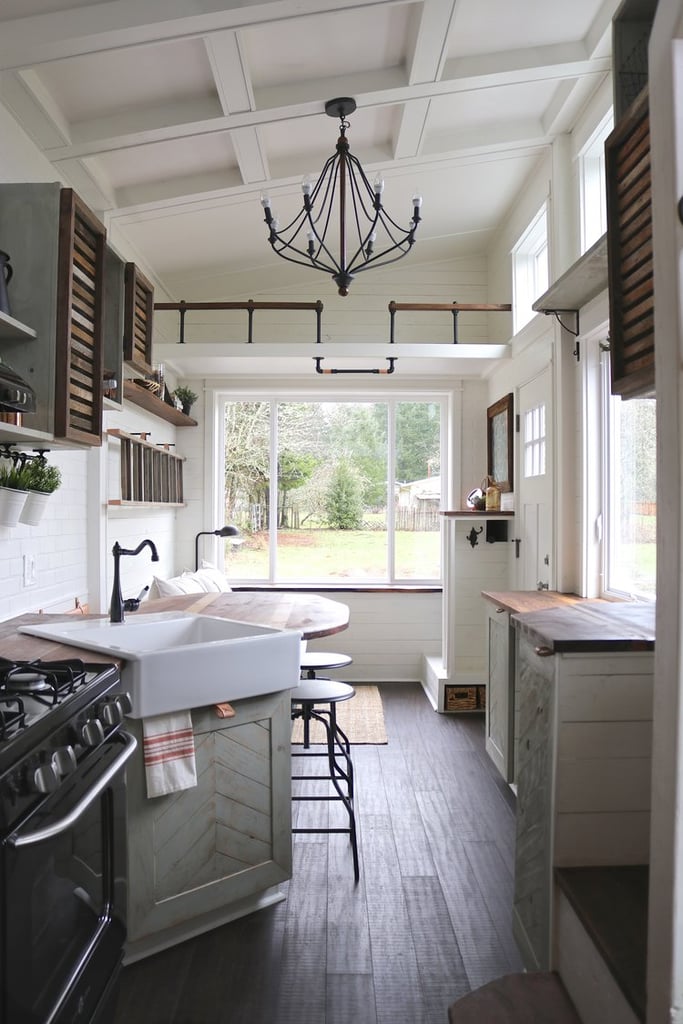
170	117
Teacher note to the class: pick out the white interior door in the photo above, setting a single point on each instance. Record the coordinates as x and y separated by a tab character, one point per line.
535	483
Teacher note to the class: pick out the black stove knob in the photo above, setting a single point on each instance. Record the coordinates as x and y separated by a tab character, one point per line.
45	779
92	733
64	761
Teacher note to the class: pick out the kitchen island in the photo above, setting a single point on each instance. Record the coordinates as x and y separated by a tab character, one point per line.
206	855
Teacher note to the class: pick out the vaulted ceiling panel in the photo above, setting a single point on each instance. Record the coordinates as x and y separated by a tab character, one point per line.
163	161
518	25
98	85
317	47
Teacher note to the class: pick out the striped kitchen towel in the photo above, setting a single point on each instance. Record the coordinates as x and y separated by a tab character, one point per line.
168	744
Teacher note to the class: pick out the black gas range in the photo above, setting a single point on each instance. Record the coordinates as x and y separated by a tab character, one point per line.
63	750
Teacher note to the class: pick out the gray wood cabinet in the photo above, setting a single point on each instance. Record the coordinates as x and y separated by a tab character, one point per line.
206	855
583	775
57	251
500	647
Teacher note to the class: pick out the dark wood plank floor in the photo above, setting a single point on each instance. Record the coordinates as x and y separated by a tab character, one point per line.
429	921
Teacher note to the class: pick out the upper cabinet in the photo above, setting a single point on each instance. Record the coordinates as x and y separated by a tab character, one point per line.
139	308
629	237
57	250
629	206
80	306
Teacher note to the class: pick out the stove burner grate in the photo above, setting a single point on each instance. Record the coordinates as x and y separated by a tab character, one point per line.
47	681
12	716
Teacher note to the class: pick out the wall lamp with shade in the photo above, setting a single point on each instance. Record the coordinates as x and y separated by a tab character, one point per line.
224	531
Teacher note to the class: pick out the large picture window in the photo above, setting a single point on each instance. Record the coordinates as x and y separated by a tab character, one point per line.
333	492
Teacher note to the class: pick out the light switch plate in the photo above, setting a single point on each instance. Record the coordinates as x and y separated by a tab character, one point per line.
29	571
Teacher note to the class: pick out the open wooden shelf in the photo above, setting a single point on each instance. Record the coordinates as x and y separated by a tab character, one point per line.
149	401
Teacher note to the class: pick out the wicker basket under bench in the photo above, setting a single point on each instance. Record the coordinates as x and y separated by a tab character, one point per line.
464	698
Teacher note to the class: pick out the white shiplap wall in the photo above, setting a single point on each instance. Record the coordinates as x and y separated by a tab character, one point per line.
388	635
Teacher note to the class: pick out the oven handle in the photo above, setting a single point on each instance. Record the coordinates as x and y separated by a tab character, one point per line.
65	823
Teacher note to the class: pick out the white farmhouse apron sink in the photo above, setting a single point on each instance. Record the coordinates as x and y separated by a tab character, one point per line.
177	660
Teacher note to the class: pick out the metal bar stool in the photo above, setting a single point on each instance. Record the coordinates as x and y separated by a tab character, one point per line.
306	699
313	662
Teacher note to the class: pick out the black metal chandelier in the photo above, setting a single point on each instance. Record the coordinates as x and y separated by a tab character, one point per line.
361	216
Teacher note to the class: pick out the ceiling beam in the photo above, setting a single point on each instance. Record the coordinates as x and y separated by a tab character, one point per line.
428	54
480	74
232	80
24	95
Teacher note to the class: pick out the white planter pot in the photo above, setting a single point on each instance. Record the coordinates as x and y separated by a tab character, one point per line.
11	504
34	507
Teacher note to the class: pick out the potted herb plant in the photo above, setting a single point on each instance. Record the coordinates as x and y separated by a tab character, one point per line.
41	480
13	492
186	397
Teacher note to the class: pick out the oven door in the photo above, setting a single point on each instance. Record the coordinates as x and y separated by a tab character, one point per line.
64	895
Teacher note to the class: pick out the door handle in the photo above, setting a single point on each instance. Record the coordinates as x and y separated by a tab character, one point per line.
517	542
69	819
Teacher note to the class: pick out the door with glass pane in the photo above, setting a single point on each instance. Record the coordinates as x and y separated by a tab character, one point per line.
536	483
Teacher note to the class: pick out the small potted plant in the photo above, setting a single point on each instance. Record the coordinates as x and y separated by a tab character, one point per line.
186	397
41	480
13	492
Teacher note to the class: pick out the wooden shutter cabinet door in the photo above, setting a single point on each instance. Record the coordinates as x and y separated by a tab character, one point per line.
137	330
80	290
629	248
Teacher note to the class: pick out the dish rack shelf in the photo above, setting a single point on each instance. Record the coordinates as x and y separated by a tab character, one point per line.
150	474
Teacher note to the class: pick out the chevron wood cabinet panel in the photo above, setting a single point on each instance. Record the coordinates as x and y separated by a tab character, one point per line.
206	855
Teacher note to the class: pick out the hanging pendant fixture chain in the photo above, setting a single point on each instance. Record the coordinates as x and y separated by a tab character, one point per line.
367	236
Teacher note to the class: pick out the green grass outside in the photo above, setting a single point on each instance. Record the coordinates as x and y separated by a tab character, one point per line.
336	554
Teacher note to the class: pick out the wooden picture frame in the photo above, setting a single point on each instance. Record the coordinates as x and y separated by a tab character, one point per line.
499	437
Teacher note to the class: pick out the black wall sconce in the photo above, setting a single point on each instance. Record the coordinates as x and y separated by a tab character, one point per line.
224	531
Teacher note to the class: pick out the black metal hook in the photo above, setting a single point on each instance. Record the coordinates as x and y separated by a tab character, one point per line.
473	536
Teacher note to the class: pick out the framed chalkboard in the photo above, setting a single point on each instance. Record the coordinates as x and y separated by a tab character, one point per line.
499	442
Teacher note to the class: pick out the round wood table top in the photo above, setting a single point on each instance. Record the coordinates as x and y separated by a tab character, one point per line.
312	614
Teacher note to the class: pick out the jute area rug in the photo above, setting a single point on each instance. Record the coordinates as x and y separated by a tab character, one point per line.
361	718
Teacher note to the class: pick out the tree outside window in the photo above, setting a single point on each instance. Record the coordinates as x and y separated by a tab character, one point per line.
333	491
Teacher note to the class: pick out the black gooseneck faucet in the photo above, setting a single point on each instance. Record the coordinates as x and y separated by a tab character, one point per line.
116	606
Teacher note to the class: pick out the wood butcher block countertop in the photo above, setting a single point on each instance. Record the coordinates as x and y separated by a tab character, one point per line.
313	615
590	626
517	601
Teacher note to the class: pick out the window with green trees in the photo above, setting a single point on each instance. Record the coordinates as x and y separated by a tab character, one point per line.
631	500
335	491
